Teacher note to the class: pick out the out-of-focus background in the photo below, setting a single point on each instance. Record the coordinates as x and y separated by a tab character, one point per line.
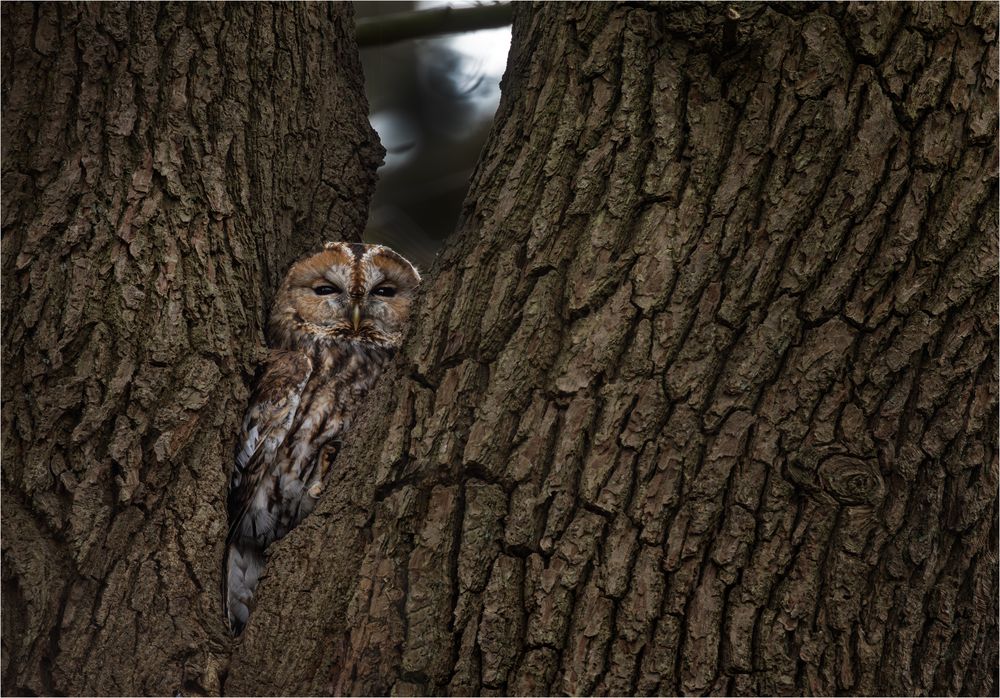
432	102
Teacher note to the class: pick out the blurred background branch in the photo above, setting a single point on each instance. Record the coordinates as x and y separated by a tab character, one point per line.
388	29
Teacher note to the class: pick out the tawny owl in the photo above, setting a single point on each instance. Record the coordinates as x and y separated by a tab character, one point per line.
338	317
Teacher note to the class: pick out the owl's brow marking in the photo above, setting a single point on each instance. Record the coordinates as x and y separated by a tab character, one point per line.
387	255
391	254
370	253
364	255
358	249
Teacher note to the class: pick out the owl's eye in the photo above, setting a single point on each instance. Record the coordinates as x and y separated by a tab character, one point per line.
385	291
327	290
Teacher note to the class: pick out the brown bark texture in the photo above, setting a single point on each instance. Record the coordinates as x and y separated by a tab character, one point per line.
702	396
162	163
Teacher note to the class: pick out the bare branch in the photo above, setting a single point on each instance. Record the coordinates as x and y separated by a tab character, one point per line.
390	29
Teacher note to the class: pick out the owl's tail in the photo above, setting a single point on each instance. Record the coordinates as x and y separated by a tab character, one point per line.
242	567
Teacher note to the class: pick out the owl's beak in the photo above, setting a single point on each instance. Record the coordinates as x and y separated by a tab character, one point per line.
356	316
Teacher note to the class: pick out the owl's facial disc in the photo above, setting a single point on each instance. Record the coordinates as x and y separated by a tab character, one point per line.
350	291
356	312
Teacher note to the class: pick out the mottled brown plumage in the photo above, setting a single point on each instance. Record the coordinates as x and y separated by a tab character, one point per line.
338	317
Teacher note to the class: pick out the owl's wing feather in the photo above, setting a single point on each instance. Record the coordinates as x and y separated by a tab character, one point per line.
271	414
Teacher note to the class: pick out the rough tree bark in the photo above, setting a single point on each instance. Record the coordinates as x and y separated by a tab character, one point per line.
161	165
701	398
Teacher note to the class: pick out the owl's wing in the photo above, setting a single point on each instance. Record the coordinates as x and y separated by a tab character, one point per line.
271	414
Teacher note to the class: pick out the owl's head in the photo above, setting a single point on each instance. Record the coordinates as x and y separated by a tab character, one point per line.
350	291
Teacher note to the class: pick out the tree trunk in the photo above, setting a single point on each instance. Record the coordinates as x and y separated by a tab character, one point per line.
701	398
161	166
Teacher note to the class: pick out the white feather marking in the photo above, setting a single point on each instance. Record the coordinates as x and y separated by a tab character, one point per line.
249	446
